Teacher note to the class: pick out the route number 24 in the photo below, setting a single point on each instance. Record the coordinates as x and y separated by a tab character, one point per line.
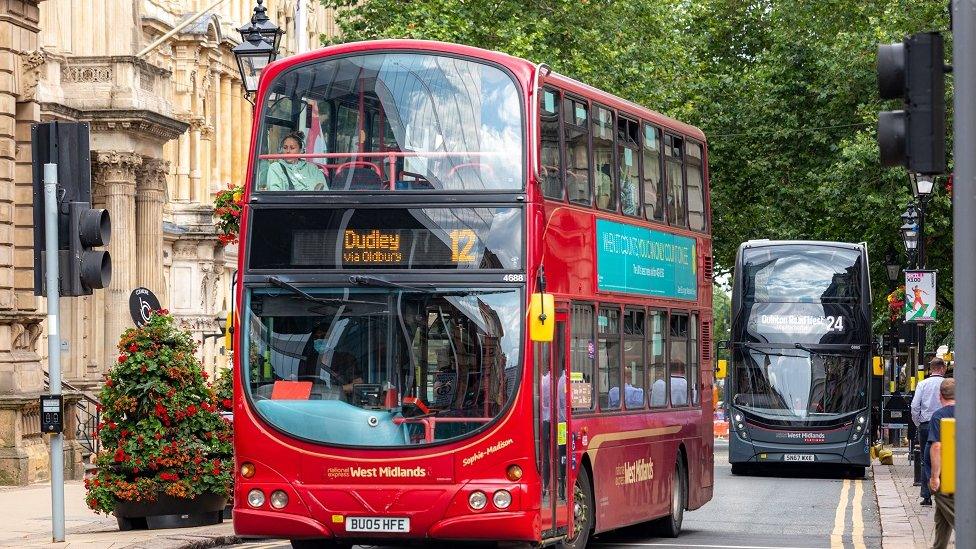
835	323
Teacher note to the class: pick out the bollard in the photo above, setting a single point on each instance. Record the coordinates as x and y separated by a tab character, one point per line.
947	480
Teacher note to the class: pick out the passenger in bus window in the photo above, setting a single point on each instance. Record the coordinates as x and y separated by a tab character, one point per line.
679	387
295	174
633	396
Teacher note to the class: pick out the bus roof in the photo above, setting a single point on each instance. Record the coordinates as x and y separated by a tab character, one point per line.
760	243
522	68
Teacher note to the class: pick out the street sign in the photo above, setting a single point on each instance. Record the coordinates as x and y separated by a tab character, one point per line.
142	303
920	296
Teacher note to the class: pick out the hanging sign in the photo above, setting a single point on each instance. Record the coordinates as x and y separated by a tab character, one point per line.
142	303
920	296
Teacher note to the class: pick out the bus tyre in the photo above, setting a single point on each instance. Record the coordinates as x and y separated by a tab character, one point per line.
856	472
582	513
740	469
670	526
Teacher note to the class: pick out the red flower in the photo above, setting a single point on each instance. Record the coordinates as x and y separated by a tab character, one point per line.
120	455
133	348
109	382
122	358
227	403
204	374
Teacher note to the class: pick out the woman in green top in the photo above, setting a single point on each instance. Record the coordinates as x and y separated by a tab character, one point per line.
295	174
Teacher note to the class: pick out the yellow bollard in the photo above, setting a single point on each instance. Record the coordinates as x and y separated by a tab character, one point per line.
891	386
911	383
921	375
947	480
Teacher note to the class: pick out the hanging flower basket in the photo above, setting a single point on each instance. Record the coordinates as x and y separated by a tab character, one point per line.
896	304
227	214
167	453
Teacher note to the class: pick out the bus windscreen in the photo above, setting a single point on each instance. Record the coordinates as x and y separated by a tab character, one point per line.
391	122
801	274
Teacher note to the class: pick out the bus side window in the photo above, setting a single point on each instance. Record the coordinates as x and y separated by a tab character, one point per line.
576	128
583	354
604	178
608	347
678	360
633	351
693	358
676	181
627	164
551	159
696	188
651	180
657	354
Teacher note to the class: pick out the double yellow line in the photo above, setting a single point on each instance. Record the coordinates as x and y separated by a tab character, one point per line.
857	516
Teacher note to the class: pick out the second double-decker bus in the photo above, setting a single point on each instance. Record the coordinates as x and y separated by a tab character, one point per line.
474	303
801	355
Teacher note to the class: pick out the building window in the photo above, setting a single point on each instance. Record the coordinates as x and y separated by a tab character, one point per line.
651	179
628	136
657	356
603	176
577	135
608	351
696	187
676	181
678	363
551	161
583	353
634	381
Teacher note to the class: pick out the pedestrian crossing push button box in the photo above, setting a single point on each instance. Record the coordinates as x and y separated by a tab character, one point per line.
52	414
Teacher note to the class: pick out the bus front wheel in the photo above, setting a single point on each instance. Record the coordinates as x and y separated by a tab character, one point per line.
670	526
582	513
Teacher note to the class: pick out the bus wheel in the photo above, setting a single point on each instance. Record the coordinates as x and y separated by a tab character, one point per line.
740	469
670	526
582	513
856	472
318	544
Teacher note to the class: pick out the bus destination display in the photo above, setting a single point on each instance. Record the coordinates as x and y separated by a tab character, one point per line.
372	238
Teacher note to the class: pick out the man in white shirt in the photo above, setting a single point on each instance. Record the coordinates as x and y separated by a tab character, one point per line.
924	404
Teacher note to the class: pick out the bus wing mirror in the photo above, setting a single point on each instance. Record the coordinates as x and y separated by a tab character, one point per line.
724	344
542	317
721	369
229	333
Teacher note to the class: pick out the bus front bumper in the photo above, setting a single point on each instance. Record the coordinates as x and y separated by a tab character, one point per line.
841	453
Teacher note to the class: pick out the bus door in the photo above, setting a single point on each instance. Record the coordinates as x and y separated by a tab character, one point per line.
553	429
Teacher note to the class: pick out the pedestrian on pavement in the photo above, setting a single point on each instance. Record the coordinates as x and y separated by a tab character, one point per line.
945	504
924	404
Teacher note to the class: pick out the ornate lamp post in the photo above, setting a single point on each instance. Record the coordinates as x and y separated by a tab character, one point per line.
259	46
910	233
892	267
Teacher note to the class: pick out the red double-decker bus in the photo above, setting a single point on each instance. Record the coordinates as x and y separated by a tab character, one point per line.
474	303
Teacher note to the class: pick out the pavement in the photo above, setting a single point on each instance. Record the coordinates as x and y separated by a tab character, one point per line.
26	519
905	524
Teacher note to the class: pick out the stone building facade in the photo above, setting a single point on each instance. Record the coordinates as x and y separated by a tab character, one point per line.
169	129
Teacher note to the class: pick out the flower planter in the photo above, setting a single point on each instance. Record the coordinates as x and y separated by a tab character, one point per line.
169	512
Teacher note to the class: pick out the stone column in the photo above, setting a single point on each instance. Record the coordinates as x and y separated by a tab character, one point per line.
150	196
184	191
237	164
116	172
226	135
196	124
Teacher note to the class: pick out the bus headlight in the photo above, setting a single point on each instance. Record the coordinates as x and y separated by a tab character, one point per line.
502	499
477	500
255	498
279	499
738	418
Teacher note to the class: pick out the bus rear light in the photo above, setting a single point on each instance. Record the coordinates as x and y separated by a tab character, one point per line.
279	499
247	469
502	499
513	473
477	500
255	498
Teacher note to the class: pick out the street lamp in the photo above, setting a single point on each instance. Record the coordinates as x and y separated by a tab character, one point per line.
891	266
909	231
922	186
261	23
260	39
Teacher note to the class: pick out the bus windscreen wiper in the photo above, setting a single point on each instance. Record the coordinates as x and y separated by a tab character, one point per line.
375	281
762	351
277	282
803	347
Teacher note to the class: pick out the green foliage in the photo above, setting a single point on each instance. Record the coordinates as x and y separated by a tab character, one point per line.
722	315
160	429
223	388
785	90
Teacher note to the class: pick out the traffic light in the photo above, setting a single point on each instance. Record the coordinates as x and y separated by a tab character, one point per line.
85	269
80	228
914	137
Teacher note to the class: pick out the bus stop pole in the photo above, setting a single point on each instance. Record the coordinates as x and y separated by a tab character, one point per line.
54	341
964	263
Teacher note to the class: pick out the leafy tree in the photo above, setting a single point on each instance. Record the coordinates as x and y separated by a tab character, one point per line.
785	90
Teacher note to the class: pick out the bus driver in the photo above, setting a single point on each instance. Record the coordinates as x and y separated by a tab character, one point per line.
295	174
